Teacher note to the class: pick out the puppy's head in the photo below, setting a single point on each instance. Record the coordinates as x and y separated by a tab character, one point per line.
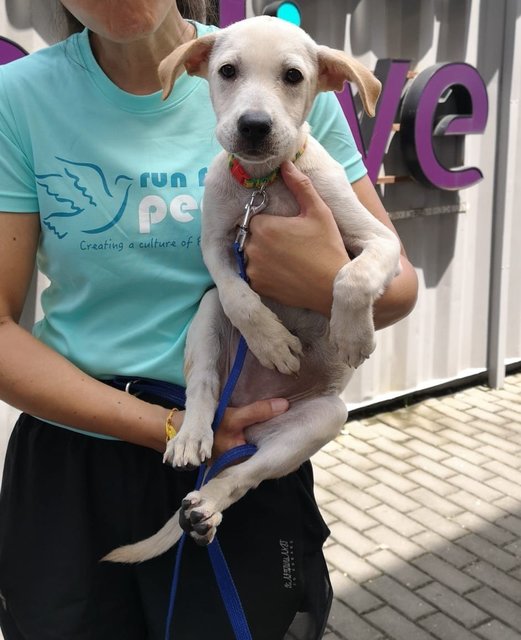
264	74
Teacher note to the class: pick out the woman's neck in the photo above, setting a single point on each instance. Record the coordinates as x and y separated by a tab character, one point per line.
132	66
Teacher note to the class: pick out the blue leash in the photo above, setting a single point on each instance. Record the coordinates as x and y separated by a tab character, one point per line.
222	573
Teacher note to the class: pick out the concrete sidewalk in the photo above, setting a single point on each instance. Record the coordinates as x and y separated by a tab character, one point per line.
424	506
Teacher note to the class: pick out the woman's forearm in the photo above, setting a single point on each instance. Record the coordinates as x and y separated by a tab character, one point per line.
399	298
37	380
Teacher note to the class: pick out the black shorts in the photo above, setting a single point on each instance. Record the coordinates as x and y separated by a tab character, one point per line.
68	499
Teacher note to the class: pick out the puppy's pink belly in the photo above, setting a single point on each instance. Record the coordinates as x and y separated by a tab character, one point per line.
257	382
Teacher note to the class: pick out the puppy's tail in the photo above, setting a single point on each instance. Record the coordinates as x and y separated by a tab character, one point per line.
149	548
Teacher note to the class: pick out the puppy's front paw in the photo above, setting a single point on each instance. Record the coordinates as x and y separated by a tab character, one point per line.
188	449
354	341
199	518
277	349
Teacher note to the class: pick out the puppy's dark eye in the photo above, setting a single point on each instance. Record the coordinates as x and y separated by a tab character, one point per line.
227	71
293	76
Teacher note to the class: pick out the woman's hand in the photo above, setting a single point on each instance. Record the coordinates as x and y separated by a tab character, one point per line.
295	260
307	250
231	430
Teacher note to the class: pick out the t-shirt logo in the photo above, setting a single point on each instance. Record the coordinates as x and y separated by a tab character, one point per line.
82	189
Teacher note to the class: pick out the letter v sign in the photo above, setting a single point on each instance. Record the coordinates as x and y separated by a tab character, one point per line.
393	75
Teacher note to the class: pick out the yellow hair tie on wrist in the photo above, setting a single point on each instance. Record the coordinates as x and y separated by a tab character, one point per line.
170	430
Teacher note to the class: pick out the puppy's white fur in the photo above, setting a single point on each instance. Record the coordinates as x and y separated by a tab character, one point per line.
282	341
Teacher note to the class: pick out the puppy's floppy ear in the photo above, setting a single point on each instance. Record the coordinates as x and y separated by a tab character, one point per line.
335	68
192	55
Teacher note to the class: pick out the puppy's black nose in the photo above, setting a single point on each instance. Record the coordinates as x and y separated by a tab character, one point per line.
254	125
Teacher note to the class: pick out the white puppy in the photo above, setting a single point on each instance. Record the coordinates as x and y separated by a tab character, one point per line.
264	74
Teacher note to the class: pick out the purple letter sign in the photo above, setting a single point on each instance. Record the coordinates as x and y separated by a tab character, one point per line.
231	11
10	51
393	75
418	127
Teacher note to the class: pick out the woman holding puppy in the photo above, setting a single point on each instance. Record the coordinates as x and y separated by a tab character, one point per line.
101	185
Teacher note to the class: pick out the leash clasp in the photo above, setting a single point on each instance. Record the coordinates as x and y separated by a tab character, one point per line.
257	203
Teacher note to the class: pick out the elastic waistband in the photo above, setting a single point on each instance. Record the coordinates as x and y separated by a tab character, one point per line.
164	391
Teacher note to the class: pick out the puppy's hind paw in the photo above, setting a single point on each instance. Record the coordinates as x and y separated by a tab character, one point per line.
198	518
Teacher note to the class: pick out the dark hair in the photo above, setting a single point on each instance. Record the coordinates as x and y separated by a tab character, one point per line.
200	10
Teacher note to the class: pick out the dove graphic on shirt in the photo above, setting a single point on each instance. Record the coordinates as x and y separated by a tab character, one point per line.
82	189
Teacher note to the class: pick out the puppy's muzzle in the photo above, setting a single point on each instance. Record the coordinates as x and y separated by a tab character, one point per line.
254	127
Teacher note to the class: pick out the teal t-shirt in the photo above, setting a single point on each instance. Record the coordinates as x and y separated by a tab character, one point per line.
118	180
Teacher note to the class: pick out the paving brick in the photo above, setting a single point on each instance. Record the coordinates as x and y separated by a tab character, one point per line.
383	459
501	431
398	597
446	629
394	480
396	626
430	482
511	523
359	479
478	489
485	402
427	450
509	415
487	551
456	450
486	416
323	495
505	471
393	498
453	435
352	594
426	436
349	563
453	412
497	606
353	495
389	539
471	503
466	428
395	520
360	430
435	502
494	630
500	443
512	405
505	486
450	603
434	468
392	447
353	459
449	551
445	573
349	625
352	539
499	454
329	636
350	515
350	442
400	570
429	410
385	430
497	580
434	522
468	469
485	529
509	503
323	478
324	460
